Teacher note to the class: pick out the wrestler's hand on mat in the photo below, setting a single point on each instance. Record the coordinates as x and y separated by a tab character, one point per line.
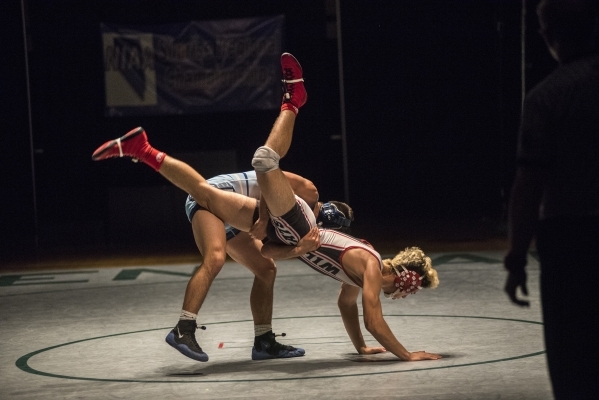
310	241
423	355
372	350
258	230
516	278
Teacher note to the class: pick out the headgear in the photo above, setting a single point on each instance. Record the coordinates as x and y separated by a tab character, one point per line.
407	282
329	216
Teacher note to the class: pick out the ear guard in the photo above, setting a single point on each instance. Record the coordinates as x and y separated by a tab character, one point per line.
406	282
329	216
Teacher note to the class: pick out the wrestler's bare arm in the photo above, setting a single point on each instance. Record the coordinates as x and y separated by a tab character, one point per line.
310	242
348	308
303	188
258	230
375	322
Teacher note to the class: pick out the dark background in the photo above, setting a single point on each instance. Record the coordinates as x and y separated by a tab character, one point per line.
432	96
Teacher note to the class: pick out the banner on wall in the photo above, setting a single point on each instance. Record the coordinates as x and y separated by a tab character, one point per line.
195	67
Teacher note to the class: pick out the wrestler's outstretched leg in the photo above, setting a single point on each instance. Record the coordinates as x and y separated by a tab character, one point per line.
209	235
246	251
234	208
273	184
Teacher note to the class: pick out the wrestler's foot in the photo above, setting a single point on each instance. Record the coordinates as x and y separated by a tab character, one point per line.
128	145
183	338
294	92
266	347
133	144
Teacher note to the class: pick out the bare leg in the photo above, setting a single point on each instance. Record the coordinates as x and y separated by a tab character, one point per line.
281	133
274	186
209	235
234	208
246	251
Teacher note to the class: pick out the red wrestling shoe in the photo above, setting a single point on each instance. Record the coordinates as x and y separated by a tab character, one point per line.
129	145
294	91
133	144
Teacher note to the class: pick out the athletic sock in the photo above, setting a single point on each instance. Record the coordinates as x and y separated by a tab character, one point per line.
187	316
290	107
262	329
151	156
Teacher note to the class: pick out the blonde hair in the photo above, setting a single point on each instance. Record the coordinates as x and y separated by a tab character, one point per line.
414	259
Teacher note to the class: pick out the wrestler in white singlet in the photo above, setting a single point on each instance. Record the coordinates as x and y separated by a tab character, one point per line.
328	258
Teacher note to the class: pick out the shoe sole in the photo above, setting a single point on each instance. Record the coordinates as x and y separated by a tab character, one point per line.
183	349
109	145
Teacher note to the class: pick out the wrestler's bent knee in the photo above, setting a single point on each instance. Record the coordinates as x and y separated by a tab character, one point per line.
265	159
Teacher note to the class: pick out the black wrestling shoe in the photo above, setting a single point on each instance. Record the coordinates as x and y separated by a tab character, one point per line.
267	347
183	338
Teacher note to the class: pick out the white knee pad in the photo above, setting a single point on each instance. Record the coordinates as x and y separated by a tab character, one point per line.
265	159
